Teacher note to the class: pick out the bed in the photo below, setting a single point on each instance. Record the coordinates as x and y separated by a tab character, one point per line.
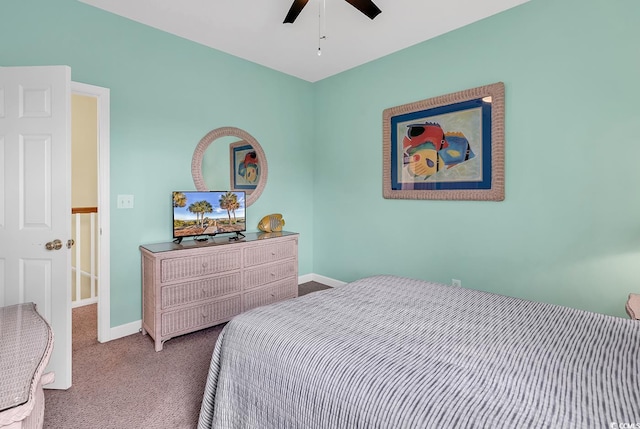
393	352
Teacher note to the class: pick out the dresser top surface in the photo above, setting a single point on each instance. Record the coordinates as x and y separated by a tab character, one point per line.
214	241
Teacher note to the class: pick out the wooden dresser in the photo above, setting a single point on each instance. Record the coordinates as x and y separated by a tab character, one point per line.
194	285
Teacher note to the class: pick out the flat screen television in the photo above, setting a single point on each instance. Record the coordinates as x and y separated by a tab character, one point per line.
207	213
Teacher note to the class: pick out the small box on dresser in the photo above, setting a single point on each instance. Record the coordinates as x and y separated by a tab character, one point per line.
195	285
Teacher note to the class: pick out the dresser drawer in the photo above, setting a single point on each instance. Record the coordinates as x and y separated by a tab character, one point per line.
264	274
184	293
269	252
202	315
196	266
273	293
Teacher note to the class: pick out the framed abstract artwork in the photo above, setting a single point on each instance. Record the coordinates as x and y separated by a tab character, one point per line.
245	167
449	147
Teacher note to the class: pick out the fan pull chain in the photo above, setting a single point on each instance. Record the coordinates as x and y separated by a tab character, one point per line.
322	24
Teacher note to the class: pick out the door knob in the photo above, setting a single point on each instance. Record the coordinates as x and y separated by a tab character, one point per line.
54	245
70	243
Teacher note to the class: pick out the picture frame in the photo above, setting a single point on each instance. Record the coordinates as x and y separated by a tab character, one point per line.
449	147
245	167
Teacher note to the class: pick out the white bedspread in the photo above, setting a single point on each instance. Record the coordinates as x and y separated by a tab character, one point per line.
391	352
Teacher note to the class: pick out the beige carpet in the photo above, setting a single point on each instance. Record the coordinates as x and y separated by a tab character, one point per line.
125	384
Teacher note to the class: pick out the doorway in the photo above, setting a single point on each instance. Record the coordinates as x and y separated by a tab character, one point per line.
90	202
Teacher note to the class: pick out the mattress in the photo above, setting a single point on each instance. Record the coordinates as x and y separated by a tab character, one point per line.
393	352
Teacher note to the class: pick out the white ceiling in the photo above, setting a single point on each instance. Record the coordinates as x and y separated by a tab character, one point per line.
253	29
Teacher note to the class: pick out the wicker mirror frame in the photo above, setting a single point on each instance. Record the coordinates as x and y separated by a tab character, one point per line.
210	137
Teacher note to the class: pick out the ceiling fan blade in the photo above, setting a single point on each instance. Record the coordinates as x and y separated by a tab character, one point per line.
295	10
365	6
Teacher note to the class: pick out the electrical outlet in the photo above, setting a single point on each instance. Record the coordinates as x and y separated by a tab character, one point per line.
125	201
456	282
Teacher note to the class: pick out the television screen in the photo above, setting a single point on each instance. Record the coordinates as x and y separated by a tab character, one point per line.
208	213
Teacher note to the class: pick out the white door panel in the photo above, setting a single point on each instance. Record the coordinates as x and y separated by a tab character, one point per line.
2	189
35	199
2	282
35	182
35	284
35	101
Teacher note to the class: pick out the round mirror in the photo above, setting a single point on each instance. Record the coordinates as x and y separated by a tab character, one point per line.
247	162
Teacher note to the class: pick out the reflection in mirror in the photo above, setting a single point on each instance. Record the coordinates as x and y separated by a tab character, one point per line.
244	167
215	164
235	162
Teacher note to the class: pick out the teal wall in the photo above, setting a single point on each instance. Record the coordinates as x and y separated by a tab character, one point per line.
568	231
166	94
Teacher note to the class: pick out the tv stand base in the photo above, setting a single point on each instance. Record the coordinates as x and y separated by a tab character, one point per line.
238	236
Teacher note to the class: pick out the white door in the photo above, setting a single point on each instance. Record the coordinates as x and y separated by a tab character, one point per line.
35	200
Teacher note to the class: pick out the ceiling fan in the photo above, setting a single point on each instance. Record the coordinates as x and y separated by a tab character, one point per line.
365	6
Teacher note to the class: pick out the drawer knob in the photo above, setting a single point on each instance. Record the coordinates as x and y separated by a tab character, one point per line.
273	274
273	253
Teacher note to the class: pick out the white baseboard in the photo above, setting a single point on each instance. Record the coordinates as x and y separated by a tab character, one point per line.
312	277
305	278
134	327
125	330
83	302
